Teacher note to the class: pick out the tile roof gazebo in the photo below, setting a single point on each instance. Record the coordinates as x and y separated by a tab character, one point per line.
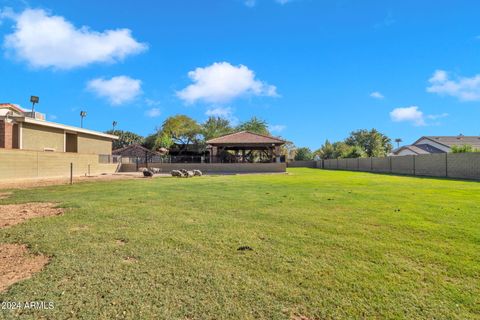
244	147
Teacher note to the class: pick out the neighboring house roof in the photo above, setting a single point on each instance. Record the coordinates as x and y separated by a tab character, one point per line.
411	148
245	137
135	150
450	141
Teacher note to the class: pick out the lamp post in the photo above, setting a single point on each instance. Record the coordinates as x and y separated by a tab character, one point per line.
34	100
114	124
398	140
83	114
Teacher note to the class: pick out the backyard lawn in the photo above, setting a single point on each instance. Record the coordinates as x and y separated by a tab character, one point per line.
324	245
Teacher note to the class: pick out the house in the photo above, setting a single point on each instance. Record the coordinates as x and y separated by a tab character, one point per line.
436	144
20	129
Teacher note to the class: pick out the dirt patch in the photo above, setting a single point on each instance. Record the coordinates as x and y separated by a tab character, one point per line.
17	264
12	214
121	242
130	259
5	195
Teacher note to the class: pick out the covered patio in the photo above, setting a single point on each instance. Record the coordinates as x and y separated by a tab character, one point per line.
245	147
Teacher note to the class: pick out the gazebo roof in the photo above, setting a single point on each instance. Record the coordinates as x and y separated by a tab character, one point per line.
245	138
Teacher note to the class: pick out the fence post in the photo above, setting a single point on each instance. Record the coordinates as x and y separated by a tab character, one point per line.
358	164
371	164
414	165
71	172
446	165
390	158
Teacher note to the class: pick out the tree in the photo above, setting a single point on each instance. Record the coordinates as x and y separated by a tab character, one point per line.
181	130
464	149
254	125
303	154
125	138
326	151
373	143
288	150
215	127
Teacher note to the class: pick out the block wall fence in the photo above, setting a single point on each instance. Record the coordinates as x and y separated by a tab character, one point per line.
22	164
445	165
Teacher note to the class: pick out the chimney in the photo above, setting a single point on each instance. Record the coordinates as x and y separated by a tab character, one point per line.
6	134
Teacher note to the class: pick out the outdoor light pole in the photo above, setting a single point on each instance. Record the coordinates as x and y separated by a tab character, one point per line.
114	124
34	100
83	114
398	140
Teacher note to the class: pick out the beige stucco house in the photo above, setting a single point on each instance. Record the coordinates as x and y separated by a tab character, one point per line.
436	144
20	129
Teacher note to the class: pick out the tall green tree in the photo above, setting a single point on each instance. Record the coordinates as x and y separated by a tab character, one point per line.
181	130
254	125
215	127
372	142
303	154
326	151
125	138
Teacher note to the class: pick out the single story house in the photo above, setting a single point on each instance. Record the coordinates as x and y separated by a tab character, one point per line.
436	144
20	129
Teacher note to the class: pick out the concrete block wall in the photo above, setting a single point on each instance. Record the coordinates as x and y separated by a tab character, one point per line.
352	164
463	165
381	165
365	164
22	164
451	165
403	165
432	165
213	167
302	164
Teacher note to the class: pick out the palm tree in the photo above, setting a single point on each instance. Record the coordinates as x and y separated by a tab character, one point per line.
398	140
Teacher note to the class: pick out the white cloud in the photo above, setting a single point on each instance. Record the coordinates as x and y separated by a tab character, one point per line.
118	90
376	95
151	102
414	115
250	3
222	112
153	112
276	128
282	2
222	82
408	114
465	89
44	40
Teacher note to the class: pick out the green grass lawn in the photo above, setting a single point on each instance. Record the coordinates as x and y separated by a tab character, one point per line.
326	245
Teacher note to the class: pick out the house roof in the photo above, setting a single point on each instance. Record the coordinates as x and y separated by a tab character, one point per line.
21	117
245	137
411	148
65	127
450	141
12	107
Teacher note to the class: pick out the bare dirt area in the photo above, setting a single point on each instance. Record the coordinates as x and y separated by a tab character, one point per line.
12	214
5	195
17	264
43	182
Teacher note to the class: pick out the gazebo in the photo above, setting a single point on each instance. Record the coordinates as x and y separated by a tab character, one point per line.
244	147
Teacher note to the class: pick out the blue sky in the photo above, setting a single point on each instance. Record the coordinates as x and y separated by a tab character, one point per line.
314	70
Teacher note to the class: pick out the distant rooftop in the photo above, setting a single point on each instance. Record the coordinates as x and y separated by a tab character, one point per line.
451	141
